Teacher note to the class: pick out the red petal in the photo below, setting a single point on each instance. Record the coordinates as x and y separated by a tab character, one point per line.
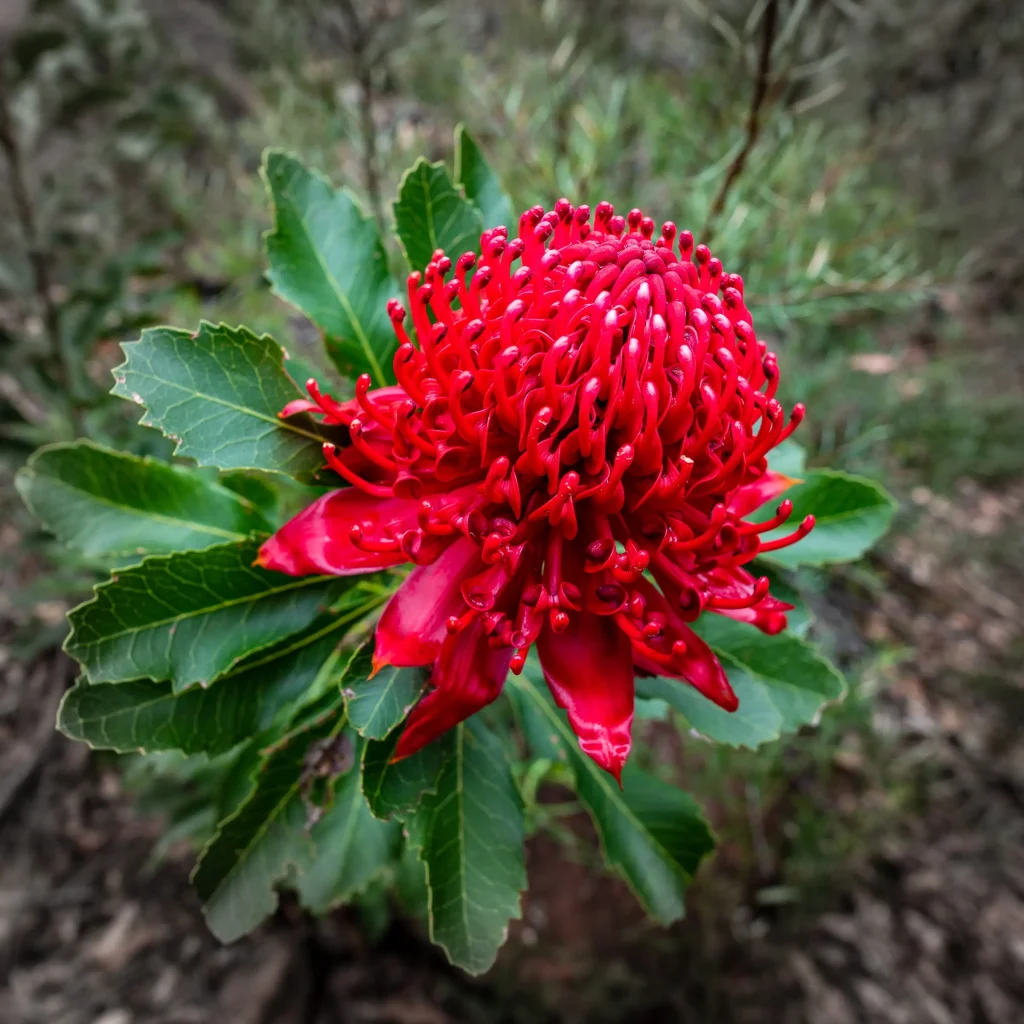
589	670
468	675
413	626
298	405
317	540
768	615
765	619
745	499
698	666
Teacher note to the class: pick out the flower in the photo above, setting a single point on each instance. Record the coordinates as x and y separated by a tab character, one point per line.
566	459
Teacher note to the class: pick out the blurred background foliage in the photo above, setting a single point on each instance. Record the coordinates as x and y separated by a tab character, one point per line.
837	153
132	133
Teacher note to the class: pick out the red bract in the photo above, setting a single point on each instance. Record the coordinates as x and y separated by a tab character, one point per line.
575	437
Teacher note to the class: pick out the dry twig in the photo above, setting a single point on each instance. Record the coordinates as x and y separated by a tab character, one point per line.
753	130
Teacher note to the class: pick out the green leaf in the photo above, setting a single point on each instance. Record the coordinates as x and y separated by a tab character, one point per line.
375	706
264	839
148	716
653	834
189	617
325	257
481	184
470	835
258	490
432	213
789	459
238	781
217	394
851	513
392	789
352	846
410	885
109	504
301	369
782	683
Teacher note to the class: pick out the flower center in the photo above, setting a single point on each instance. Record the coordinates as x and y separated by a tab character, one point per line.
584	396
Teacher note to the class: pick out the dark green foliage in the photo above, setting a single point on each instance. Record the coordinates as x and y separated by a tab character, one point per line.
781	681
217	394
246	701
375	706
394	787
469	833
191	616
325	257
110	505
653	834
431	212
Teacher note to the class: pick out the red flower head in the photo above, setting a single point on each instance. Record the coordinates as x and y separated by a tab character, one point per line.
566	459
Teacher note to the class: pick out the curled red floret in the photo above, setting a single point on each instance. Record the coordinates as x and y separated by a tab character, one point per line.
580	424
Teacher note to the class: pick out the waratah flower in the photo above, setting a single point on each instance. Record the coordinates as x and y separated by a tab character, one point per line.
576	434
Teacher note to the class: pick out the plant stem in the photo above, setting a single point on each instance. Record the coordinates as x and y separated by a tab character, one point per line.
753	130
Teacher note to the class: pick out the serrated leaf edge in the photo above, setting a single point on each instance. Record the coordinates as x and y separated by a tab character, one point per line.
25	476
778	733
297	584
146	421
381	870
240	666
262	831
399	814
